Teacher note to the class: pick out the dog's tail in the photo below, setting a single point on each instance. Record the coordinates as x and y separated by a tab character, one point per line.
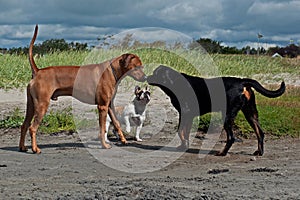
259	88
34	68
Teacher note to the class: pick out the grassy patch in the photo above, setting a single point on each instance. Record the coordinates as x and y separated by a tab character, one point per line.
58	121
13	120
15	71
247	66
54	122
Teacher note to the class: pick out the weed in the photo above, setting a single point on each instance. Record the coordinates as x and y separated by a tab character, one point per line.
54	122
14	120
58	121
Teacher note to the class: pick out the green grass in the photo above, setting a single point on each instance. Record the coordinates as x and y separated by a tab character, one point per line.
53	122
13	120
58	121
247	66
279	116
15	70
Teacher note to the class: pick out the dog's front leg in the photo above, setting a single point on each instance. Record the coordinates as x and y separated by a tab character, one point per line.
139	128
103	110
184	142
107	124
127	124
137	134
117	125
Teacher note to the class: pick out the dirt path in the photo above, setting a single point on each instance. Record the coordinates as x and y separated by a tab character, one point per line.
68	169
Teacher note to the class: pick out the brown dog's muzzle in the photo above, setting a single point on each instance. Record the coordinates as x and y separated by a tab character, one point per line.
138	74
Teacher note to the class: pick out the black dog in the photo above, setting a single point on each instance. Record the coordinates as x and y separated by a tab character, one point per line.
194	96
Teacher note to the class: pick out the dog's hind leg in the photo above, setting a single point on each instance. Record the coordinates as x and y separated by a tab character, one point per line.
184	133
103	110
229	120
27	121
251	114
40	109
117	125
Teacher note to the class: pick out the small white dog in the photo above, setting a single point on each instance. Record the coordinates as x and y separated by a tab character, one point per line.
132	115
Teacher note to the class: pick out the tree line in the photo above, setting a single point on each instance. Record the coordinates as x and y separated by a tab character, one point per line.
211	46
48	46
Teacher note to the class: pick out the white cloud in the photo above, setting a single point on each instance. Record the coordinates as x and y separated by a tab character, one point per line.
231	21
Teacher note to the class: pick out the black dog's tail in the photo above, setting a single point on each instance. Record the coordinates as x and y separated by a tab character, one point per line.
259	88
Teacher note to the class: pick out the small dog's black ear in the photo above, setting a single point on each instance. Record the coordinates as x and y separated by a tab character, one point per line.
147	88
137	89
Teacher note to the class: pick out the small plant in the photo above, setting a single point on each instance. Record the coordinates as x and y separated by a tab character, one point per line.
54	122
14	120
58	121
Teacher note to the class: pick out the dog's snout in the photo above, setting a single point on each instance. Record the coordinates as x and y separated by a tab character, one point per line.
145	77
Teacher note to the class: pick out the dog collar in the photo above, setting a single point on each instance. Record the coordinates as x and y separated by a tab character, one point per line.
113	71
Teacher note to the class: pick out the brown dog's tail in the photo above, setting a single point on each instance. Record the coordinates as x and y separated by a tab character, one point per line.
34	68
259	88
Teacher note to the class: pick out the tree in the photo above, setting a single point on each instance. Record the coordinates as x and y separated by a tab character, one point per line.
290	51
54	45
211	46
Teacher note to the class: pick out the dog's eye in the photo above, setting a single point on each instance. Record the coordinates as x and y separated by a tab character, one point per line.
138	68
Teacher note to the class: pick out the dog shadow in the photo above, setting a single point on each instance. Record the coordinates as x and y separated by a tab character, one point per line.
132	143
59	146
170	149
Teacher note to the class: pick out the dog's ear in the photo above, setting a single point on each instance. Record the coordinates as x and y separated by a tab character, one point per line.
137	89
159	69
125	60
147	88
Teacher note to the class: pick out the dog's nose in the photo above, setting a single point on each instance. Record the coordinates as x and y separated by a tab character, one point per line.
145	77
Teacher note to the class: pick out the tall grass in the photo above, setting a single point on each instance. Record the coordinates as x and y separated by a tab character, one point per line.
247	66
15	71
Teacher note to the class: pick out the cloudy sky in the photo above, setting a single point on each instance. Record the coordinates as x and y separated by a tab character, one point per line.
235	22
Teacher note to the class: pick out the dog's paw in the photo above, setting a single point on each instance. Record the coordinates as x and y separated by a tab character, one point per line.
220	153
124	141
257	153
36	150
127	130
138	139
23	149
182	147
106	146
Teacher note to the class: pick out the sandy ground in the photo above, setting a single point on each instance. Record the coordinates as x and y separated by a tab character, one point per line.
73	167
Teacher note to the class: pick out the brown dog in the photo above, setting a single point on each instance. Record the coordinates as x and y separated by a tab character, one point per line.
94	84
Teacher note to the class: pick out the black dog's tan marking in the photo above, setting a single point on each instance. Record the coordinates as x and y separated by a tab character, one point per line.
194	96
247	93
